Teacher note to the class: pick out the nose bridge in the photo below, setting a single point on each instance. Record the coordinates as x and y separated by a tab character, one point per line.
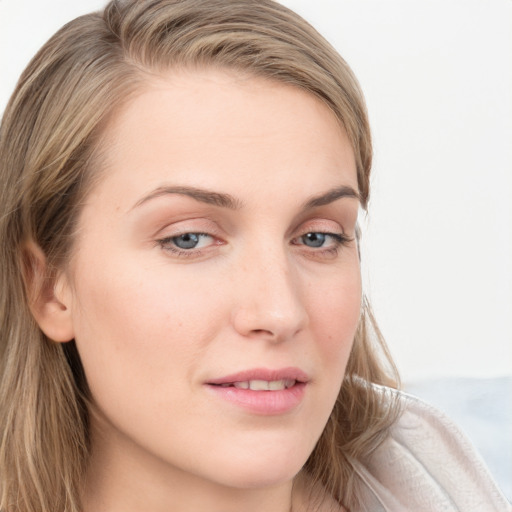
269	300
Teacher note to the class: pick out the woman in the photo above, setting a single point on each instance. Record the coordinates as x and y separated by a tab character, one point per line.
183	326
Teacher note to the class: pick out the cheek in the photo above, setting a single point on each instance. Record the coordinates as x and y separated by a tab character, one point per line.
126	295
338	312
137	323
131	322
335	311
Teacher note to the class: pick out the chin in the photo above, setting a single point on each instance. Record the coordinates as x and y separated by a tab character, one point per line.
261	478
267	467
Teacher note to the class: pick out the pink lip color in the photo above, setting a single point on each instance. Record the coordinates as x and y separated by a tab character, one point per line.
262	402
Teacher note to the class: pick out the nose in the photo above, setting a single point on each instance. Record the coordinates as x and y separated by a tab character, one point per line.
268	295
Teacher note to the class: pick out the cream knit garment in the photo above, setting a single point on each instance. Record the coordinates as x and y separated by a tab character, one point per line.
428	465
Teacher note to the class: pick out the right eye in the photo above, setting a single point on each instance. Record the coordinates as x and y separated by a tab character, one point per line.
186	242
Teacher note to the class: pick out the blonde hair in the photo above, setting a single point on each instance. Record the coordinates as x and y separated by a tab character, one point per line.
50	148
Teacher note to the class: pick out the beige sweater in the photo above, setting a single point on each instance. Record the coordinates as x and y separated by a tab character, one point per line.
428	465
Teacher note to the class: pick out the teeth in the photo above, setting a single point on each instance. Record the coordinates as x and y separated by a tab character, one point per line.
265	385
259	385
276	385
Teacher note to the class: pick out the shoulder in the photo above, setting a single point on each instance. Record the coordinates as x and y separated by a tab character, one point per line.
426	464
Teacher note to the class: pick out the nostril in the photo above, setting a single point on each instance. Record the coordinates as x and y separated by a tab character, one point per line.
262	331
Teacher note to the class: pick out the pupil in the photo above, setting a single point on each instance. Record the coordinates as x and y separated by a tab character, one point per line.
314	239
186	241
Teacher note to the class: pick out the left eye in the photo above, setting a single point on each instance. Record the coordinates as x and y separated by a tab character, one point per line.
315	239
187	241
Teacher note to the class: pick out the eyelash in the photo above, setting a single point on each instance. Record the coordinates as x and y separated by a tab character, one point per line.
339	240
167	244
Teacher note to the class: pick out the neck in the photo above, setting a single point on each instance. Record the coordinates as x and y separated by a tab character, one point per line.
130	496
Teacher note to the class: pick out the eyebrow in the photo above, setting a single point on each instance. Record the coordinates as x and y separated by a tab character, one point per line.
230	202
199	194
330	196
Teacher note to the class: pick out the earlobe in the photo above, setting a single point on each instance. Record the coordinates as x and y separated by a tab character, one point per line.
48	295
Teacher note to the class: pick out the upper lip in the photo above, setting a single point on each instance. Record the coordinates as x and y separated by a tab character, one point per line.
267	374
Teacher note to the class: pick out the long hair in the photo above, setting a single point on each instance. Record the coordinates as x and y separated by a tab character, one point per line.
50	155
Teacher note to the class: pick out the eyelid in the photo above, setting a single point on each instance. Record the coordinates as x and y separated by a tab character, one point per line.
189	225
198	225
320	225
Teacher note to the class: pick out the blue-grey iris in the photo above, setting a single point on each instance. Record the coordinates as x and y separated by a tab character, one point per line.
187	240
314	239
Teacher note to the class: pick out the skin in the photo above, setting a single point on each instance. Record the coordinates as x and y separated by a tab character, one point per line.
153	325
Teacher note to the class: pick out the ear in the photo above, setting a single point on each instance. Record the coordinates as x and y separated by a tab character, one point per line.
49	295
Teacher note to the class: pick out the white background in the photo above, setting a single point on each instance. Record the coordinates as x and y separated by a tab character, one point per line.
438	240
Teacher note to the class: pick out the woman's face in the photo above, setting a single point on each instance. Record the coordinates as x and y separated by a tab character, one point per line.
215	289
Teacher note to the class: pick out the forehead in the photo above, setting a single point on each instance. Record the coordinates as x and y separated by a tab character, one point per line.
212	128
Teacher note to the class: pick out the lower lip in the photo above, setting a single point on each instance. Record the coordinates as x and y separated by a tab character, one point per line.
262	402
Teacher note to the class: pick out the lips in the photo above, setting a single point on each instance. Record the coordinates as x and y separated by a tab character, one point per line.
262	391
262	374
262	385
